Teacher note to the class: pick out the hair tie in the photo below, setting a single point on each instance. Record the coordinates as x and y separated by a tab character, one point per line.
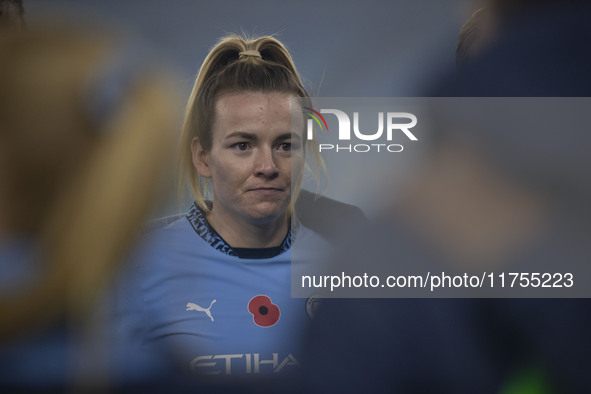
251	52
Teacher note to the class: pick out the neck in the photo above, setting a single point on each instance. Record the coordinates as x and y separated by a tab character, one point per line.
244	234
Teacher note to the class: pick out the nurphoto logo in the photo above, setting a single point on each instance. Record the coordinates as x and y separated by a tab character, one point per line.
396	124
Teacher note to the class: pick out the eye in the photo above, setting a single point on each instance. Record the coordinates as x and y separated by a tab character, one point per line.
241	146
285	146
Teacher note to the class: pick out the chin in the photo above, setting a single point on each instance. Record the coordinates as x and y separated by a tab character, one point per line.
269	213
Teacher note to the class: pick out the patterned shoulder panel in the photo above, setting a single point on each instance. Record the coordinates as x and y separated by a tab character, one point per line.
202	227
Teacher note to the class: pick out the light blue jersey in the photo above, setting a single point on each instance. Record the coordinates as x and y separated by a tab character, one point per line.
217	312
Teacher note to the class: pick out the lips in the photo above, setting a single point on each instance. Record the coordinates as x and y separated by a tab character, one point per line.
267	192
267	188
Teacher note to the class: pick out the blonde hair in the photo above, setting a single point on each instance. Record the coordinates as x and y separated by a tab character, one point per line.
79	165
235	64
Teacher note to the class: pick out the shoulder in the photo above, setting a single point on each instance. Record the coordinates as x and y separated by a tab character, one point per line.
180	225
310	202
163	242
327	216
162	222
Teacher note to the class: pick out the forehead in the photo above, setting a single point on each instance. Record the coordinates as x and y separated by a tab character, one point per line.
252	111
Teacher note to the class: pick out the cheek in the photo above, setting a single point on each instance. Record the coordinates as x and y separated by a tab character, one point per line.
288	166
297	165
226	173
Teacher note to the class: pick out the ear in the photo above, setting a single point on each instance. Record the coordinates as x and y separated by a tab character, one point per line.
200	158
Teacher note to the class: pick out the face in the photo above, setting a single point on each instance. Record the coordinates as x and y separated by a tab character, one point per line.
252	155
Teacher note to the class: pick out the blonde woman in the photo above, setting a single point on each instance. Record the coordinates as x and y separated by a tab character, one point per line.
216	282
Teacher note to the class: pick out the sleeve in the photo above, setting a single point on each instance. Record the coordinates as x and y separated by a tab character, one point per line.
134	359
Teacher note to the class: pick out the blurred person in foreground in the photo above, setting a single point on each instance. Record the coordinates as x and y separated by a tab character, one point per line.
488	196
85	135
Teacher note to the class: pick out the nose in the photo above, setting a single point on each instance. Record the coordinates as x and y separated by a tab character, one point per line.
265	164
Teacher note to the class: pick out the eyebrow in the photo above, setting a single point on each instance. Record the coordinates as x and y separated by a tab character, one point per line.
287	136
241	134
252	137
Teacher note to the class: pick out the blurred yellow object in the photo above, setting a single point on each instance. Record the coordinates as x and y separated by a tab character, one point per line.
85	140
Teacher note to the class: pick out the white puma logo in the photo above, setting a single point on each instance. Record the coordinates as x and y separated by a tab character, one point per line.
195	307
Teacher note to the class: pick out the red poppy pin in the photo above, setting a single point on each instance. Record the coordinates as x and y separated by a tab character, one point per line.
264	312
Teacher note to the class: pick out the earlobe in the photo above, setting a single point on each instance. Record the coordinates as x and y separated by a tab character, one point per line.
200	158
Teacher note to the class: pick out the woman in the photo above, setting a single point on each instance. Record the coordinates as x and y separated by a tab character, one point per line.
216	283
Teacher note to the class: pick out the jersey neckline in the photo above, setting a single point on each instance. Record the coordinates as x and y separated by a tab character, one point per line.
198	221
